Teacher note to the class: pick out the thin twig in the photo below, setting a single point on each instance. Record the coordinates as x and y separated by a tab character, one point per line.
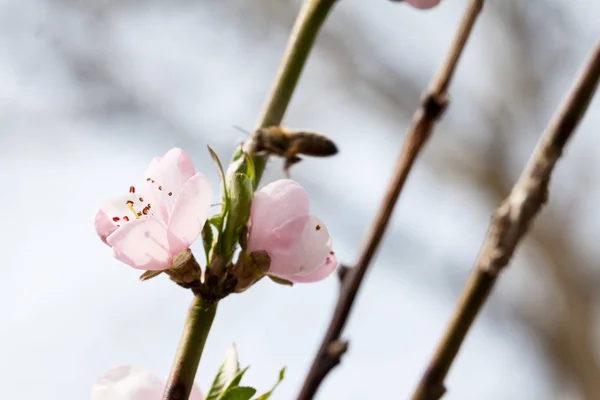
509	224
432	107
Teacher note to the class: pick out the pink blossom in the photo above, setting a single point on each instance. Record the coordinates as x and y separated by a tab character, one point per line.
154	222
128	382
297	243
423	4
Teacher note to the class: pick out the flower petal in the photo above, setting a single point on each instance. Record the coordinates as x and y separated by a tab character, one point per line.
322	272
127	382
164	180
273	206
189	214
298	247
423	4
104	225
144	243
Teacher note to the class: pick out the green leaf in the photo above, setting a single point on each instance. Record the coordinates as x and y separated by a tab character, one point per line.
235	381
265	396
250	171
240	194
207	240
228	370
238	393
216	221
215	158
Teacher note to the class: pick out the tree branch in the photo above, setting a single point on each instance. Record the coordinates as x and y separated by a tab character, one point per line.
432	107
509	224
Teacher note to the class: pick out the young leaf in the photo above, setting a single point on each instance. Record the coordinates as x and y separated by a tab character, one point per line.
207	240
240	194
235	381
265	396
227	372
238	393
251	172
215	158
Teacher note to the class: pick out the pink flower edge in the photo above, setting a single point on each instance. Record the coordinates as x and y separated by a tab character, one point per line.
128	382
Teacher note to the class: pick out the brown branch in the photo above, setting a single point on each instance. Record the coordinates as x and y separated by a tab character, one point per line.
509	224
432	107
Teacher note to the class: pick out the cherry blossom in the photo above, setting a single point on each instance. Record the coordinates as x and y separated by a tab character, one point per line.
298	243
156	221
127	382
423	4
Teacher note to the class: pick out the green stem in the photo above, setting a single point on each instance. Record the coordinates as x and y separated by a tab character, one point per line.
197	326
200	316
307	26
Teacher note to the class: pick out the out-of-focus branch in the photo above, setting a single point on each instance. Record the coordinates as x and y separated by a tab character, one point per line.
433	105
308	24
509	224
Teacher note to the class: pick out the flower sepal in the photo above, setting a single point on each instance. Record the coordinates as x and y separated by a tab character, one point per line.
185	272
280	281
249	269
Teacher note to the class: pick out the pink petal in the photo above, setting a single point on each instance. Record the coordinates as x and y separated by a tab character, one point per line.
189	214
144	243
298	247
167	176
423	4
128	382
175	169
273	206
104	225
322	272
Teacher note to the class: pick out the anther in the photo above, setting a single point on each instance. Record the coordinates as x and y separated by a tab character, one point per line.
131	189
126	218
318	227
170	193
116	219
141	200
160	188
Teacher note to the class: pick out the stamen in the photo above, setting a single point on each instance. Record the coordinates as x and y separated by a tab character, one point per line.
130	206
170	193
126	218
131	189
159	187
318	227
116	219
147	179
141	200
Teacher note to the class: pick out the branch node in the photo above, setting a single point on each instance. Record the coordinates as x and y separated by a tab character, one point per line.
434	105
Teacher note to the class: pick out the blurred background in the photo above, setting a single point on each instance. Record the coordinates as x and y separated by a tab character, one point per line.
91	91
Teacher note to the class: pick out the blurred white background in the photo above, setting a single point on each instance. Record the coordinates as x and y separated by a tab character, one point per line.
91	91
